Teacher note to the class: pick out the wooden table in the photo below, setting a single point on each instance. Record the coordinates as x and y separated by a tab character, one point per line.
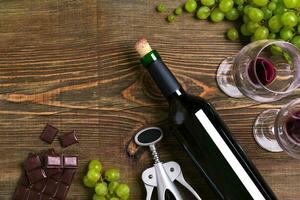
72	63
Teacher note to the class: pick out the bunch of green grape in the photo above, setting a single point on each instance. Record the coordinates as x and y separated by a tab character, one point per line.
261	19
106	184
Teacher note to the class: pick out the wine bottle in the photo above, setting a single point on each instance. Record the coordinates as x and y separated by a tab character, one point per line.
205	137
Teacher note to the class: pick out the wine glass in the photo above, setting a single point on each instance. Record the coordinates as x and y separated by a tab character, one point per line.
278	130
265	71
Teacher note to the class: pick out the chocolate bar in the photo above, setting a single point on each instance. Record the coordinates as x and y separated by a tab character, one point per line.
68	176
49	133
68	139
62	191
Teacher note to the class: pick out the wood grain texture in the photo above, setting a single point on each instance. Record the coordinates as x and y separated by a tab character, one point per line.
72	63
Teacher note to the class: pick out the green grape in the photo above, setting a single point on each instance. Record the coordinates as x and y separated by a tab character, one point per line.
272	36
190	6
276	1
255	14
272	6
160	7
216	15
208	2
232	34
112	175
95	164
279	9
286	33
289	19
203	12
88	183
261	33
98	197
239	2
114	198
260	2
246	9
123	191
287	57
226	5
178	11
101	189
170	18
252	26
244	30
290	3
298	28
109	196
296	41
246	18
267	13
232	14
274	23
276	50
112	186
93	175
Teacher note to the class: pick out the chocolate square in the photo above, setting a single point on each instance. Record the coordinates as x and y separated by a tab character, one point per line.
21	193
70	161
52	171
36	175
67	176
57	176
45	197
40	186
62	191
34	195
49	133
32	162
51	187
53	161
68	139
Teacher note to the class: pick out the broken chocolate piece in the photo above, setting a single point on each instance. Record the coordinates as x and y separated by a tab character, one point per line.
52	161
70	161
62	191
49	133
67	176
21	193
24	179
33	161
68	139
36	175
51	187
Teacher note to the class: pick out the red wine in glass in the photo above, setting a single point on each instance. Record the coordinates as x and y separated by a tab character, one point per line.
293	126
264	69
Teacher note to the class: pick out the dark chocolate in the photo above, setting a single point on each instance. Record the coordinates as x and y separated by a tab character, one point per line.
50	172
34	195
68	139
36	175
53	161
51	187
67	176
62	191
49	133
24	179
21	193
32	162
70	161
45	197
40	186
57	176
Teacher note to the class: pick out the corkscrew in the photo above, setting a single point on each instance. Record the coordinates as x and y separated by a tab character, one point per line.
162	175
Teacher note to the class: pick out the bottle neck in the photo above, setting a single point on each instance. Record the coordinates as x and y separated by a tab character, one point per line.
162	76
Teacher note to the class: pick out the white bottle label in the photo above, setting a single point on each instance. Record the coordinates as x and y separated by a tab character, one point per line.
229	156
